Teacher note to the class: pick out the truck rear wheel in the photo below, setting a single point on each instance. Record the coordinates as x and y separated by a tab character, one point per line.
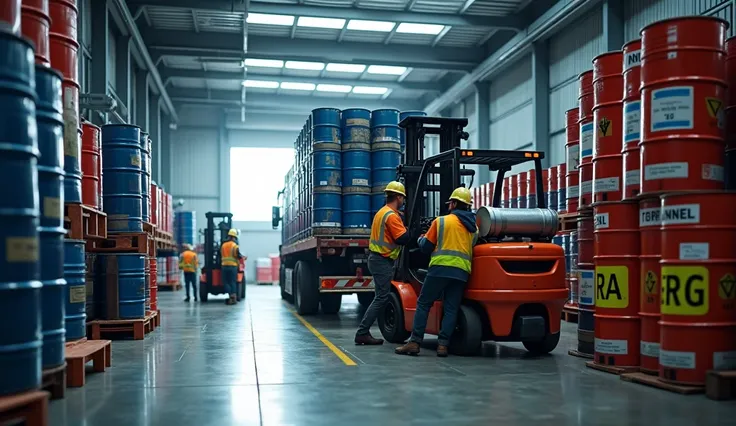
544	346
306	299
466	339
365	299
391	320
330	303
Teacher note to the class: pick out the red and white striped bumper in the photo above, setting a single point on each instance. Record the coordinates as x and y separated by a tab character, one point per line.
345	284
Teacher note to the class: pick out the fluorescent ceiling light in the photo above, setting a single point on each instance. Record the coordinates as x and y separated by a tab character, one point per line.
265	63
383	69
298	65
268	19
334	88
380	26
263	84
406	27
368	90
309	21
356	68
297	86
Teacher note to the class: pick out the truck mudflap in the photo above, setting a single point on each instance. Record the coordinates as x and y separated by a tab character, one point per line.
346	284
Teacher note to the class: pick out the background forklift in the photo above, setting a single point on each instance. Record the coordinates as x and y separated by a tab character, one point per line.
218	225
516	290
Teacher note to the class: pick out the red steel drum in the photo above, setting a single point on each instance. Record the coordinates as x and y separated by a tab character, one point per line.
731	101
153	283
490	186
10	16
553	201
514	192
587	131
617	324
683	88
563	186
64	17
607	115
586	247
521	184
35	24
505	200
531	188
90	165
698	292
649	257
632	118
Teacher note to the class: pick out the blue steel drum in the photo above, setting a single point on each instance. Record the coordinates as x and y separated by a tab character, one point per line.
383	165
355	125
566	249
131	282
378	199
327	212
385	130
356	171
402	116
325	127
552	202
145	177
75	296
562	199
557	240
356	214
327	171
121	165
573	250
185	227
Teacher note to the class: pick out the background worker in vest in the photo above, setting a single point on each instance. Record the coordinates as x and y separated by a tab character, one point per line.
230	255
189	263
450	240
387	234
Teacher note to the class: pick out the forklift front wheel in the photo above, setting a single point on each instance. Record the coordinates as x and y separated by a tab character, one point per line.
544	346
466	339
391	320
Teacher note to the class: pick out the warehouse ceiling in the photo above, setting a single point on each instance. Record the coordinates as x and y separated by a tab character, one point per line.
292	54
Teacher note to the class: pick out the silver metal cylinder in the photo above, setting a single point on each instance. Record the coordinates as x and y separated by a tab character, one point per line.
497	222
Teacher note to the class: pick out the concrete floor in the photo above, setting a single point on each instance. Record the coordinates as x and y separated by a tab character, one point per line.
257	364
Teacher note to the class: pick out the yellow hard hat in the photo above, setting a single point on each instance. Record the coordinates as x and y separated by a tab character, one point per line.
396	187
232	233
462	194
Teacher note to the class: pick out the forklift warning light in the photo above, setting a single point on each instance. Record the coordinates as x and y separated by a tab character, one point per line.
467	153
528	154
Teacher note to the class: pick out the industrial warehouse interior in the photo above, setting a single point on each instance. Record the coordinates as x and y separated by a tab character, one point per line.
394	212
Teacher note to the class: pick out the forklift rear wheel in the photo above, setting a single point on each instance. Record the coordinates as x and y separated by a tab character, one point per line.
306	300
466	339
365	299
391	320
544	346
203	292
330	303
241	290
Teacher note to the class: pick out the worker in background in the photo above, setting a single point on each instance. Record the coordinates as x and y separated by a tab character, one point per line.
387	234
450	241
230	255
189	263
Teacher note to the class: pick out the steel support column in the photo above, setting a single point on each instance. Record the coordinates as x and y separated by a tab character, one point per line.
154	131
540	98
613	24
123	75
99	75
165	164
482	135
141	98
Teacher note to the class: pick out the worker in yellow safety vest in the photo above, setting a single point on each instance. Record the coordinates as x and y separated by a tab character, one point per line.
189	263
230	255
387	234
450	241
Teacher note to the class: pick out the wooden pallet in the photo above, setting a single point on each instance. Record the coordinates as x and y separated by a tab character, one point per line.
28	409
135	328
578	354
84	223
78	355
149	229
612	369
570	313
654	381
720	385
164	240
170	287
155	318
53	380
134	242
568	222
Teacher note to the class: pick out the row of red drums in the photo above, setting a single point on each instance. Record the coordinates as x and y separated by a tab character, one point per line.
657	254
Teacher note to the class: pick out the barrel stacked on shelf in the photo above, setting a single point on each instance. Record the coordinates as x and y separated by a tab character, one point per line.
385	153
356	171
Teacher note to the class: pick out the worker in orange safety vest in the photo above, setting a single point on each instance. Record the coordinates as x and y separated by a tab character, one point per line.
230	255
450	241
189	263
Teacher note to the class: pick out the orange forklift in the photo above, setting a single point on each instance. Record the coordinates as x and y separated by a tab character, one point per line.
209	279
516	290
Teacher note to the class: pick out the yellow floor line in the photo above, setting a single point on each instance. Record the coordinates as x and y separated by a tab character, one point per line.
340	354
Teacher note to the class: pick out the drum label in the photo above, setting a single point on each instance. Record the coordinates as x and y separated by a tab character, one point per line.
650	287
712	172
724	360
684	290
649	349
78	294
682	214
666	171
586	187
694	251
21	249
70	115
672	108
675	359
357	122
360	182
601	221
632	59
573	191
586	140
52	208
632	121
573	157
586	290
609	184
632	178
726	287
612	347
612	287
90	287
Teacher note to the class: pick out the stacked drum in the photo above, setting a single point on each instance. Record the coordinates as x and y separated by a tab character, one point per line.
91	165
562	188
731	114
10	16
514	192
506	193
385	152
326	171
531	188
185	228
35	24
356	171
632	118
587	135
607	115
551	189
572	160
145	177
123	176
521	182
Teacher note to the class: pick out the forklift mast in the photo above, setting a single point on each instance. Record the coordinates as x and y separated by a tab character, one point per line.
211	245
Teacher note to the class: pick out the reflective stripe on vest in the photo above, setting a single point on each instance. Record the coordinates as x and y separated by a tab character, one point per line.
380	245
230	259
460	254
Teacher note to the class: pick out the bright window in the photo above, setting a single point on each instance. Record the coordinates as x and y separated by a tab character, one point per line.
256	177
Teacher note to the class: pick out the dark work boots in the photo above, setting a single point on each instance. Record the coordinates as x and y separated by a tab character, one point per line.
367	339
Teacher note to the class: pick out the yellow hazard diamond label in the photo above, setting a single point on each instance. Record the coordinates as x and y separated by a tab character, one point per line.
727	287
714	106
604	127
650	283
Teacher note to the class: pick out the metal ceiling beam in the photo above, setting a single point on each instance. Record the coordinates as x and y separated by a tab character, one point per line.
556	18
224	46
168	73
293	103
513	22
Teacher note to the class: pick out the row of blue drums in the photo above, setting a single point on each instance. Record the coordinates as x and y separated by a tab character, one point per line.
355	153
185	227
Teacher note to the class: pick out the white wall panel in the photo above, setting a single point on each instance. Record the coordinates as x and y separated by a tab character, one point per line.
512	88
514	130
639	13
556	152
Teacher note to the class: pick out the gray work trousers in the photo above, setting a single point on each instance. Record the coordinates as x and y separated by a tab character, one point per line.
382	270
